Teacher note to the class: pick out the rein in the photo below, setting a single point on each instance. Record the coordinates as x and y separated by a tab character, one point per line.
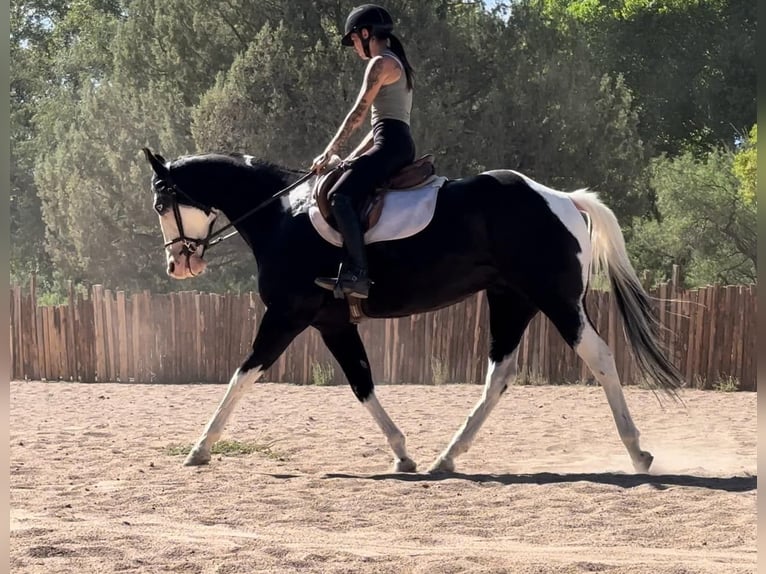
192	245
214	239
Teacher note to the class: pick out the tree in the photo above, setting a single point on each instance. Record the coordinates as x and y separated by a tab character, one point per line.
541	107
56	47
31	53
278	101
689	64
745	166
568	123
705	224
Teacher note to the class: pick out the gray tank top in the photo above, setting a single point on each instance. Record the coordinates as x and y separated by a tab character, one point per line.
393	101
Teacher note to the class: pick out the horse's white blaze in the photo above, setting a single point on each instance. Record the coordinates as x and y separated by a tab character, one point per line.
394	436
499	375
238	385
196	224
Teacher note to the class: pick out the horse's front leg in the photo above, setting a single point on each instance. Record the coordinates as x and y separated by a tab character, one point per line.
275	333
346	346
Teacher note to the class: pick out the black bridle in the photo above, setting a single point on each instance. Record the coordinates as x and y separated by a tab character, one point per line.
169	195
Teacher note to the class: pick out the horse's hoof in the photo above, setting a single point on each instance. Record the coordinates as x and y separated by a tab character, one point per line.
405	465
643	463
442	466
197	457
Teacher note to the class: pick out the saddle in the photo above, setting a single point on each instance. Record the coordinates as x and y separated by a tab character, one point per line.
408	178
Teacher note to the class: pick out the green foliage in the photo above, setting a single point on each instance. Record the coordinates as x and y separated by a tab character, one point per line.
690	65
570	125
94	184
273	92
704	225
30	49
322	375
230	448
439	371
727	385
745	167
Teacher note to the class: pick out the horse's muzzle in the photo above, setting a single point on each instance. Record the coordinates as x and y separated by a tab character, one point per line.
185	266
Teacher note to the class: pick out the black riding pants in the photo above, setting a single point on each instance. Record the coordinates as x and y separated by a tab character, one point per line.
392	149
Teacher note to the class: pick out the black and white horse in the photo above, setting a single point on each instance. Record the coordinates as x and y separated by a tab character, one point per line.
529	247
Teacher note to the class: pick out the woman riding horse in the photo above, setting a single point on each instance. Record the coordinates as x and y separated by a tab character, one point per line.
387	148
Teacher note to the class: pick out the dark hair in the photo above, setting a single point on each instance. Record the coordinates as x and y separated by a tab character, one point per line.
398	49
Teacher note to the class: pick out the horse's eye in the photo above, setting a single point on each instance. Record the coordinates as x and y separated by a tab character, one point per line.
159	207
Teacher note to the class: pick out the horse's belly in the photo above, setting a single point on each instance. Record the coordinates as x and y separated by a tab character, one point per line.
401	292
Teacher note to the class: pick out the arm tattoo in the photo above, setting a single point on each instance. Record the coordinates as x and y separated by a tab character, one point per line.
363	103
363	146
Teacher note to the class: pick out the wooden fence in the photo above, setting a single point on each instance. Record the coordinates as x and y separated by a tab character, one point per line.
202	337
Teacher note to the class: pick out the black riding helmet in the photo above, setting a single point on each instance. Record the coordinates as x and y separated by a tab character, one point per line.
367	16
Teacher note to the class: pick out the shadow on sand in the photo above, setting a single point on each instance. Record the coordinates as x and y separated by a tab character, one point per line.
660	481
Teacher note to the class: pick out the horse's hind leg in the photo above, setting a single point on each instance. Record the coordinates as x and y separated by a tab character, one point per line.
575	327
343	341
596	354
509	315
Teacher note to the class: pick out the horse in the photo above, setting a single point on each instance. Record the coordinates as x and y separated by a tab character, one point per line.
530	248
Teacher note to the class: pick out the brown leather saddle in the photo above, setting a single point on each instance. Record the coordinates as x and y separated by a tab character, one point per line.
404	180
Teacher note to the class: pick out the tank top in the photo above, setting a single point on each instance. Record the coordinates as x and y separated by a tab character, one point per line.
394	101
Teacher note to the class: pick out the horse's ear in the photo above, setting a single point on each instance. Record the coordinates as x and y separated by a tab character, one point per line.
157	162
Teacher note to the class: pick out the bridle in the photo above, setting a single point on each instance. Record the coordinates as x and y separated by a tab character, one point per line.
169	194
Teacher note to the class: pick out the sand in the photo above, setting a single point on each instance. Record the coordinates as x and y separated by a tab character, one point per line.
96	485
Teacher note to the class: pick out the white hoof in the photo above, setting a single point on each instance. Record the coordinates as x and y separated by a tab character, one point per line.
405	465
442	465
643	463
198	456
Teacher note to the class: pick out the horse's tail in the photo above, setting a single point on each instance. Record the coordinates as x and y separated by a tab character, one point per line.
640	322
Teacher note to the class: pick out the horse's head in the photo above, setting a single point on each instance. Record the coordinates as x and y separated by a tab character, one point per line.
186	224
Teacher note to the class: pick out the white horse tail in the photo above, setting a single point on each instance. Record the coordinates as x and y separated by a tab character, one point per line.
639	319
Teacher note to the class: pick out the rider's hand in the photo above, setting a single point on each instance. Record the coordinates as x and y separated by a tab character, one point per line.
320	162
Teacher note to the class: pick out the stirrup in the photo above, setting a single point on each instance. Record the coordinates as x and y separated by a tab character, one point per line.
359	287
340	291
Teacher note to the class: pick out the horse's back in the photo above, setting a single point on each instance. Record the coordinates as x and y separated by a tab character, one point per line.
523	207
533	234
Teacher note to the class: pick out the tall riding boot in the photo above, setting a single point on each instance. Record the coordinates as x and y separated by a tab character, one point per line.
352	278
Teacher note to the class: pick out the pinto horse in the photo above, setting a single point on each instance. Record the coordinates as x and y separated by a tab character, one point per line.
528	246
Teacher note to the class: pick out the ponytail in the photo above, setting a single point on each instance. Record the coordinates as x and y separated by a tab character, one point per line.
398	49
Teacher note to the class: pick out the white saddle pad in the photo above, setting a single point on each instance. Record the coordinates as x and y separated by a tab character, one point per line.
404	214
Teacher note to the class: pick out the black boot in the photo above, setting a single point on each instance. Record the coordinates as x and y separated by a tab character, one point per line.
352	277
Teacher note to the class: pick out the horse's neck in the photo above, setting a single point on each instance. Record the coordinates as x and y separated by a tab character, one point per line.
250	191
234	189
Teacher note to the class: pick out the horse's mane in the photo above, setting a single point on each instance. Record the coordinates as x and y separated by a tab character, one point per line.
234	158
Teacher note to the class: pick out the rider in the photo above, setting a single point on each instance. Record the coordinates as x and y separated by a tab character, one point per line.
387	148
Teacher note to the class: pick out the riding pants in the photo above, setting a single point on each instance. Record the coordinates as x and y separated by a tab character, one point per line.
392	149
